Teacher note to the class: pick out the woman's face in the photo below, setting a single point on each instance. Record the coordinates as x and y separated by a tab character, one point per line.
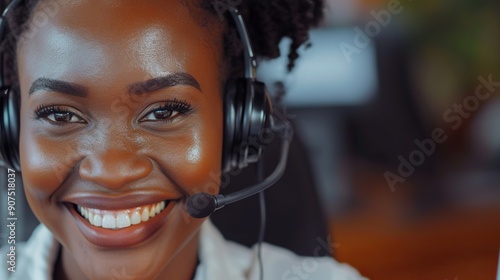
121	113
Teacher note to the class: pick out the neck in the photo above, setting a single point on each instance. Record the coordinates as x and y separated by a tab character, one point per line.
183	266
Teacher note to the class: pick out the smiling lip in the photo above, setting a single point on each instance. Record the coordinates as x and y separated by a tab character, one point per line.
122	237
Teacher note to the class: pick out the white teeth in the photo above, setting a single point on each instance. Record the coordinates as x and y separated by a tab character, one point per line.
97	220
91	216
145	215
121	218
152	212
108	221
136	218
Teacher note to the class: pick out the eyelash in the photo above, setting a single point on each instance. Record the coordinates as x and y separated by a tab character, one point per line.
174	105
44	111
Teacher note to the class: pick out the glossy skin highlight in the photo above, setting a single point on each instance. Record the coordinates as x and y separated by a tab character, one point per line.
114	144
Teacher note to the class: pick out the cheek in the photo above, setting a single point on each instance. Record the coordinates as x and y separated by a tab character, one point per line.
45	164
197	162
43	171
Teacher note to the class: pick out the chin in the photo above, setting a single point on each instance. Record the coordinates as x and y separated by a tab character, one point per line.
173	244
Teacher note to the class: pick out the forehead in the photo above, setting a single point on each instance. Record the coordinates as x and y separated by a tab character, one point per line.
94	37
113	18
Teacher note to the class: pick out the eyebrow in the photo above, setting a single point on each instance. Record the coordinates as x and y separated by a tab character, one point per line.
58	86
139	88
171	80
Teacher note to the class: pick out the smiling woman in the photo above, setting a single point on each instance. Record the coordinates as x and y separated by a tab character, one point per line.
80	156
109	179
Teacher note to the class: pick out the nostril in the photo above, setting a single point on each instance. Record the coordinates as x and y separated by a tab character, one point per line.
114	171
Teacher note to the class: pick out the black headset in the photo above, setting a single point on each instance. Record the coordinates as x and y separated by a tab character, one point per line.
9	104
247	110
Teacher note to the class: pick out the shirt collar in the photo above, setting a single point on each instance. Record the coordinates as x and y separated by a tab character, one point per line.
218	258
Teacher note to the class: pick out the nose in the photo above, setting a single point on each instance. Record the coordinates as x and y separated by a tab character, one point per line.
115	168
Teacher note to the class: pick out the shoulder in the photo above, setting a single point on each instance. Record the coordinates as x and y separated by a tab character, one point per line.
280	263
240	262
31	259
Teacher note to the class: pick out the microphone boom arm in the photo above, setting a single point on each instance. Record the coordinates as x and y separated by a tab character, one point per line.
270	180
202	205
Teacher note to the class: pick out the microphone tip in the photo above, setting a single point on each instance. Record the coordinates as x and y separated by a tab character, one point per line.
201	205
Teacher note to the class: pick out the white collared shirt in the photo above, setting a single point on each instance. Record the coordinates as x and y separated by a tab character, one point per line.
220	259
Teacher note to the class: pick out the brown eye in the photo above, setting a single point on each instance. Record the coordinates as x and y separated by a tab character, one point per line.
58	115
168	110
64	117
160	115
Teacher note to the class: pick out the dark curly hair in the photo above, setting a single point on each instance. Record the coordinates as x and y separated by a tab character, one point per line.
268	22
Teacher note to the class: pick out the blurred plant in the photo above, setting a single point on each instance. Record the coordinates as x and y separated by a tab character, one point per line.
469	30
454	42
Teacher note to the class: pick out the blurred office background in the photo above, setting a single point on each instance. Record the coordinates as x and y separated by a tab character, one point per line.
380	77
396	210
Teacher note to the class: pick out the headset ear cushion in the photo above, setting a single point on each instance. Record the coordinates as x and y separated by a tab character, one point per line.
259	133
230	120
9	128
246	116
234	146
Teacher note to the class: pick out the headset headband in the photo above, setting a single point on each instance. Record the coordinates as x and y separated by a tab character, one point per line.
250	61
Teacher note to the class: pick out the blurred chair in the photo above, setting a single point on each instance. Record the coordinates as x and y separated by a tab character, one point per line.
389	125
295	217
